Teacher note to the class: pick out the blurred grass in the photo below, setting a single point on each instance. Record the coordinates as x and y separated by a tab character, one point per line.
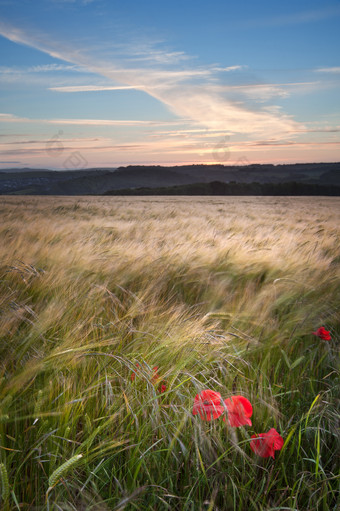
220	293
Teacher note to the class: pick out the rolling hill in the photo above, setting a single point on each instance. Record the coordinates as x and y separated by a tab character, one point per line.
100	181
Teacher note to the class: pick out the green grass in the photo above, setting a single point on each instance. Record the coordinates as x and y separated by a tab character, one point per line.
219	293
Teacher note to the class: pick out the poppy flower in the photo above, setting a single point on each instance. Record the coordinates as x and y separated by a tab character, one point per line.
156	378
208	405
162	388
323	334
265	444
239	411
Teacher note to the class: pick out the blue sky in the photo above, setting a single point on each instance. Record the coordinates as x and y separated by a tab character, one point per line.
87	83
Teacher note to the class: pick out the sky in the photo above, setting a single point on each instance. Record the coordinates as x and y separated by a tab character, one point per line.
105	83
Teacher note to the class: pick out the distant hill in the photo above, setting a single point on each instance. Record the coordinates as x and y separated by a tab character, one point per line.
100	181
217	188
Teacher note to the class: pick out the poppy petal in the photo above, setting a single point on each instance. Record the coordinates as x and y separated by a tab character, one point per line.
213	412
322	333
246	404
208	405
259	446
265	444
277	439
239	411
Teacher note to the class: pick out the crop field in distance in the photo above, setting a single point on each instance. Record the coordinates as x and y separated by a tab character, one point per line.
117	313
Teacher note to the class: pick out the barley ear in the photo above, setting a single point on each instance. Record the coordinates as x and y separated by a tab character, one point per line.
59	472
89	426
4	482
37	407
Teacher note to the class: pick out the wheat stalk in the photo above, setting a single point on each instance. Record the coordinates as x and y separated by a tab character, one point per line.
4	482
59	472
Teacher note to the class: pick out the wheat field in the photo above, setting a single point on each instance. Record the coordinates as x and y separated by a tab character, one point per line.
219	293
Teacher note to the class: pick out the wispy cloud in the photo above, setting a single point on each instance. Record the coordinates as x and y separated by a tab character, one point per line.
265	91
147	53
10	118
332	70
46	68
80	2
289	143
188	92
329	129
43	150
93	88
85	140
216	112
229	68
302	17
7	162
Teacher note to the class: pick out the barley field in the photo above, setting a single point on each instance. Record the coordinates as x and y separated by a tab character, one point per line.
115	315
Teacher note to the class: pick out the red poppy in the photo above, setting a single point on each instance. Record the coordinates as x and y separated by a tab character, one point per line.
323	334
208	405
156	378
239	411
133	375
162	388
265	444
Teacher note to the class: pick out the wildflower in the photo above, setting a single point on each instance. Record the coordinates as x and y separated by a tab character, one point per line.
208	405
162	388
155	378
265	444
322	333
239	411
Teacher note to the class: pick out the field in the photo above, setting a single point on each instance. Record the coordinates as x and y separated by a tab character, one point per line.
218	293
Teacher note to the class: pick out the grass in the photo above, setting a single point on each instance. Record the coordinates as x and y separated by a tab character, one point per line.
219	293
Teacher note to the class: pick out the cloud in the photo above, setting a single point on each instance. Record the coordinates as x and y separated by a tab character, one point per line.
43	150
63	140
215	112
7	117
333	70
10	161
188	93
82	2
105	122
47	68
320	129
93	88
10	118
228	69
297	18
148	54
264	91
12	135
41	75
147	146
286	143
